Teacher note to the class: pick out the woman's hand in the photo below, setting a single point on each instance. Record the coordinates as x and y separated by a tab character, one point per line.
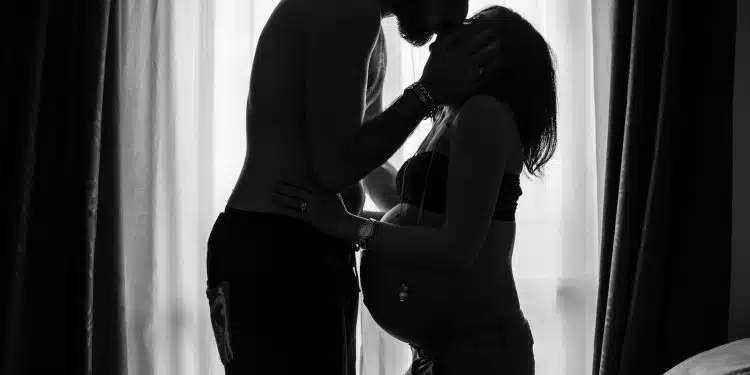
380	185
324	210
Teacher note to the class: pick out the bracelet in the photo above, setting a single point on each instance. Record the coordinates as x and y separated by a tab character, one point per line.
425	98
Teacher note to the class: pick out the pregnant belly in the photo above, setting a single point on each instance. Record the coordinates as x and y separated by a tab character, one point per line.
407	302
412	303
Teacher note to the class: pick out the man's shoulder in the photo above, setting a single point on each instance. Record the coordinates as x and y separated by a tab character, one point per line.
363	14
344	6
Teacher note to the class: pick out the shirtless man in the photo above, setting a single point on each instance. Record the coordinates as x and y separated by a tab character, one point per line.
283	296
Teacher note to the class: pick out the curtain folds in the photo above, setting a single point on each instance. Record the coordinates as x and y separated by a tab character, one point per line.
168	161
665	251
59	215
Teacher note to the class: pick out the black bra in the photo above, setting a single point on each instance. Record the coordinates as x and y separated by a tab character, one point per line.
414	175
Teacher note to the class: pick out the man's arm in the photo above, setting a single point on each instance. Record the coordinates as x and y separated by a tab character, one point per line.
380	184
343	149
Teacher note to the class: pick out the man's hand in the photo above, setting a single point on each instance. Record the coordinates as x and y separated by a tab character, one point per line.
324	210
458	61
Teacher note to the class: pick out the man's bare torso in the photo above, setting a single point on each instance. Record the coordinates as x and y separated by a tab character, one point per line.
277	145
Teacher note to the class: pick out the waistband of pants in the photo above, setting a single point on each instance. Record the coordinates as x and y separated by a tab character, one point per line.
302	238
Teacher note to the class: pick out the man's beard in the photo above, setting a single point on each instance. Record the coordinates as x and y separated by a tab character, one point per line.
411	21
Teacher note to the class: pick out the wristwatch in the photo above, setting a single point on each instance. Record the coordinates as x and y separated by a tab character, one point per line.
364	233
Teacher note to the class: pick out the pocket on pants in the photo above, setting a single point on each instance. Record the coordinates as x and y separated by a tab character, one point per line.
218	302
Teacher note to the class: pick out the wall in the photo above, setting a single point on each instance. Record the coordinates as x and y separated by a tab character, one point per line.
739	316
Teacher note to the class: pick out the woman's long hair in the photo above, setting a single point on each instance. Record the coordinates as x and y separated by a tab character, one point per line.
527	82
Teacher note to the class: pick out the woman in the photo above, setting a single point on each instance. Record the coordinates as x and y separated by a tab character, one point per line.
436	271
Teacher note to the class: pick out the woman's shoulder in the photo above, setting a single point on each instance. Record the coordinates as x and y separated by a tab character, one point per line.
486	115
483	117
485	107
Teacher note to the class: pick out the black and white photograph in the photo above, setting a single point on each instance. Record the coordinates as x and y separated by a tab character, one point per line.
375	187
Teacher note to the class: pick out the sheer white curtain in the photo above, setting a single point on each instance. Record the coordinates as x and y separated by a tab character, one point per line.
168	168
186	67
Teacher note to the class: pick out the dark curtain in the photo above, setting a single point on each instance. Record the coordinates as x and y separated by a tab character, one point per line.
61	303
666	236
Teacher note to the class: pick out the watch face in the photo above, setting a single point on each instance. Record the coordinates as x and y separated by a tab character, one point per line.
365	231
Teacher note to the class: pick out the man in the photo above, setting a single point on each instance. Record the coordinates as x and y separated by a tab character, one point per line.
284	296
379	184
